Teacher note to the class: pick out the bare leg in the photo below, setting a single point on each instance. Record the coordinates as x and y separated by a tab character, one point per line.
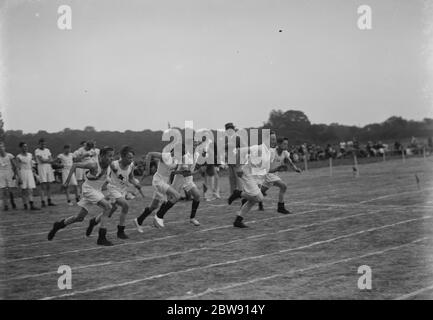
49	190
195	193
78	218
67	194
24	197
80	186
216	186
42	192
30	197
172	195
76	191
246	208
48	186
106	207
125	208
11	196
4	198
282	186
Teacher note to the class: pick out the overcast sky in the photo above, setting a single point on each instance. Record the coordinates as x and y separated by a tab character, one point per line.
140	64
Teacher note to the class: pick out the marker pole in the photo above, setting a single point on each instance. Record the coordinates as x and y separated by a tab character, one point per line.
355	162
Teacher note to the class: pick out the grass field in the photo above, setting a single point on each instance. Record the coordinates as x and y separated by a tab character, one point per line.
381	219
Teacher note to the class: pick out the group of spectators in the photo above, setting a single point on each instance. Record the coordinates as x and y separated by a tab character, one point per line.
35	172
344	149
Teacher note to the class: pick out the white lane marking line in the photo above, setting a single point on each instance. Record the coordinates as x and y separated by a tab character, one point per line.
157	276
5	227
130	229
80	228
88	249
298	192
233	211
414	294
150	257
393	195
385	206
148	240
49	224
312	267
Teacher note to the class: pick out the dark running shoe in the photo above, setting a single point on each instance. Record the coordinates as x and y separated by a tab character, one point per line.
122	235
102	239
238	223
104	242
282	209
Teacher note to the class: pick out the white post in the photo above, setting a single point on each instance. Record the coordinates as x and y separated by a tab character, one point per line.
330	166
402	154
356	170
305	162
417	181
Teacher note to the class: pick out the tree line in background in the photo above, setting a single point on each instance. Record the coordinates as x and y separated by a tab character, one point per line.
2	132
297	127
292	124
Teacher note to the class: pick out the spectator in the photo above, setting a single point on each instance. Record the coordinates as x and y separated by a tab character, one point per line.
8	173
235	184
397	147
26	178
66	162
45	171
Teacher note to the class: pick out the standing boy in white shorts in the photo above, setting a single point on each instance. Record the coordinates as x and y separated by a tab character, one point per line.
66	160
8	174
79	173
26	180
45	171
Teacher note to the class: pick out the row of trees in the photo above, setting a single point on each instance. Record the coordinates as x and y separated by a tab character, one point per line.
2	132
297	127
141	141
292	124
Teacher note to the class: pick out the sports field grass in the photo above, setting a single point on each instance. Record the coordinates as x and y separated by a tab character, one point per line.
382	219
